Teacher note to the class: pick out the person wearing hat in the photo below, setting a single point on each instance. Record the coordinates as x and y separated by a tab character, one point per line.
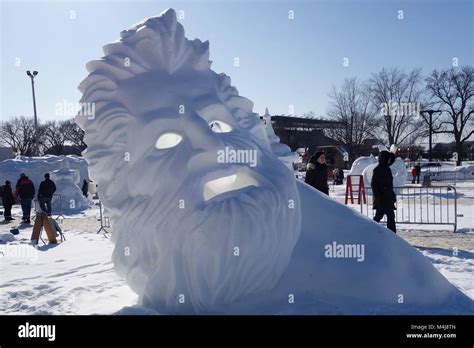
45	194
25	190
382	188
7	200
317	172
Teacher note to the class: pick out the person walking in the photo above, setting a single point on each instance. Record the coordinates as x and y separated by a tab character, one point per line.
382	188
7	200
25	190
317	172
45	194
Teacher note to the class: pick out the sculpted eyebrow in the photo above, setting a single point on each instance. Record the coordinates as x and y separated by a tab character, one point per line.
166	114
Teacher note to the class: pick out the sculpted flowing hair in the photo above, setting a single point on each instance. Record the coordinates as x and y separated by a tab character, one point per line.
155	44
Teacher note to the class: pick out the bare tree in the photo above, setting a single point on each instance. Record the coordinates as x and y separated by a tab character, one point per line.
55	137
396	96
350	105
19	134
73	134
452	91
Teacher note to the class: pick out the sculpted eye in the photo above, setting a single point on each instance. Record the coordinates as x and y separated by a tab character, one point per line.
168	140
220	127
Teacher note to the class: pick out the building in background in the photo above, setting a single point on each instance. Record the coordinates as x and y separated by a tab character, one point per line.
308	134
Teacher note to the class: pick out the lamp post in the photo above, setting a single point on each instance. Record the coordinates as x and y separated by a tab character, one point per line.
430	126
32	77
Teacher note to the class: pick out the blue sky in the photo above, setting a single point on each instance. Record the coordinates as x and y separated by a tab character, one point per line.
283	61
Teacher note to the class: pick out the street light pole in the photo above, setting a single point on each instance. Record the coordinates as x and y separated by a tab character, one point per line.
32	77
430	128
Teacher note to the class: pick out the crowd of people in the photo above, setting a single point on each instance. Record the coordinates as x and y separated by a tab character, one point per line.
24	193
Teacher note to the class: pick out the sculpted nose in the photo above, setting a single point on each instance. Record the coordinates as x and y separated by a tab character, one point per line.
202	137
205	144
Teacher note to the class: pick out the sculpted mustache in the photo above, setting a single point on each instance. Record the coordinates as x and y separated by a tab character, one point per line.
169	207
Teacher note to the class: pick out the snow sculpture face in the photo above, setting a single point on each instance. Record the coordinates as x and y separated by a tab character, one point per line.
203	213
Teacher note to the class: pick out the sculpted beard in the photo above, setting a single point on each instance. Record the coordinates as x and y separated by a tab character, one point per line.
191	256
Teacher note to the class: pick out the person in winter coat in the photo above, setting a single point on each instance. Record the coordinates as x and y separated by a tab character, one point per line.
85	187
338	174
413	175
382	188
7	200
418	173
317	172
25	190
45	194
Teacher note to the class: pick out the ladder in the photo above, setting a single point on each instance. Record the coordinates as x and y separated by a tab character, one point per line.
351	184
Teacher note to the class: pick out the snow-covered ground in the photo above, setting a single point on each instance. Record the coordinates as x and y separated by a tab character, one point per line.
72	277
77	275
451	253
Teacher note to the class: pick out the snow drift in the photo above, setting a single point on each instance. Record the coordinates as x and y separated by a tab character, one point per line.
258	241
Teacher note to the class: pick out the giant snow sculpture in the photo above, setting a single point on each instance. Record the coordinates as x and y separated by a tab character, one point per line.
195	234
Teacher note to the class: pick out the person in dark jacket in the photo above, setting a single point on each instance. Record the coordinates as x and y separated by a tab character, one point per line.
25	190
382	188
338	176
317	172
85	187
7	200
45	194
413	175
418	173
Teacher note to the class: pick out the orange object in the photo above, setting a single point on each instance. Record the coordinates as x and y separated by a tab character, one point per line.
42	221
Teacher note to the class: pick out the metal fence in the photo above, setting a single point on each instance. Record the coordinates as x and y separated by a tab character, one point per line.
435	205
451	176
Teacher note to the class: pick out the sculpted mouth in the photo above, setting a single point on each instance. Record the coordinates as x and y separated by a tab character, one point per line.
229	183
